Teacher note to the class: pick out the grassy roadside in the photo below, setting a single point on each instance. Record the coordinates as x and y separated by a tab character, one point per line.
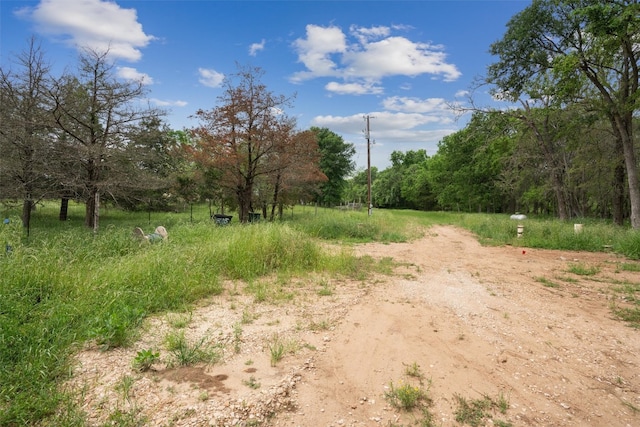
63	285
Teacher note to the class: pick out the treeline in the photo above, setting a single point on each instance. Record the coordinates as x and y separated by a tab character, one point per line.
89	135
498	164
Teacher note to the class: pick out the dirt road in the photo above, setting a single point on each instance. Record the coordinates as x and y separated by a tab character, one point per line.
477	321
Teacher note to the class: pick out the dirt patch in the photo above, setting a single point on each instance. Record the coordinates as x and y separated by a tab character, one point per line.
197	377
478	321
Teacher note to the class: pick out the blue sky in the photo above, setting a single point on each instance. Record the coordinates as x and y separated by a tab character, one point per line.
400	62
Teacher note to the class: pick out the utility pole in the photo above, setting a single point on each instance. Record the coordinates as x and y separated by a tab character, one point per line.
368	136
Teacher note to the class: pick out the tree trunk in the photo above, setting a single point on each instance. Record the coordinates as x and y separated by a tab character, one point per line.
276	193
244	195
64	209
92	210
632	177
558	189
27	207
618	194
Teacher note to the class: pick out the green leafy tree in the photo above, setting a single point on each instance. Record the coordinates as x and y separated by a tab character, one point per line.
391	186
465	172
416	188
156	163
588	42
336	162
356	186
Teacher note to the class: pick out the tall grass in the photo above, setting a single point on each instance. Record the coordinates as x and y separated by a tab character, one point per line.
358	226
63	285
596	236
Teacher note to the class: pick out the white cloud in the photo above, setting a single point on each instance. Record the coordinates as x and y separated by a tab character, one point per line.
162	103
462	93
416	105
394	56
374	55
365	34
353	88
210	78
94	24
256	47
315	51
129	73
389	127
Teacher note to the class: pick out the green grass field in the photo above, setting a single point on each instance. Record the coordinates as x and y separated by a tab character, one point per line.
63	285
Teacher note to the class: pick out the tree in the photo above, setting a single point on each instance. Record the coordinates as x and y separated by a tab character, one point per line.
581	42
298	173
242	136
96	113
336	162
153	156
25	132
388	187
465	172
356	190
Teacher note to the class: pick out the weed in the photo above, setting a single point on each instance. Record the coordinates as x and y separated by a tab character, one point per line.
276	348
502	403
247	317
115	330
476	412
631	406
413	370
237	337
325	289
320	326
122	418
406	396
583	270
547	283
186	353
124	386
428	419
180	321
630	315
625	266
145	359
251	383
259	292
